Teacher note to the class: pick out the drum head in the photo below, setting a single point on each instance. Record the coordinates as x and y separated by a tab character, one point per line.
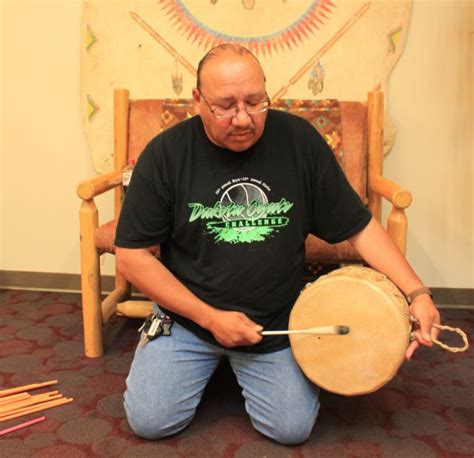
370	354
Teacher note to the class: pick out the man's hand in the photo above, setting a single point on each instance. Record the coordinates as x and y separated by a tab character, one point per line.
232	329
423	310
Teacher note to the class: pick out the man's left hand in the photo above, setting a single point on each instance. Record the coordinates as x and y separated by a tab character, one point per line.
426	314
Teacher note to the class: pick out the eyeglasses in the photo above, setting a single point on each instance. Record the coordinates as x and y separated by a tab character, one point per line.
250	108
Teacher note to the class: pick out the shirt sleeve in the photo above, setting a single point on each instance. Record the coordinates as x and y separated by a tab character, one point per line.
338	212
145	217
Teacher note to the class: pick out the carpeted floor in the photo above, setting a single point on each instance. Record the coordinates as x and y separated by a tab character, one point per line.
426	411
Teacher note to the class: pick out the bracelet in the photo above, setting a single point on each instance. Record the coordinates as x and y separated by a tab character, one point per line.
418	292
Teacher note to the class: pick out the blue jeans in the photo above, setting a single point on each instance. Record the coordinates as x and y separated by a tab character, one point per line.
169	374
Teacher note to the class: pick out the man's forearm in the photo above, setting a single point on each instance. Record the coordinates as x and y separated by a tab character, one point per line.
153	279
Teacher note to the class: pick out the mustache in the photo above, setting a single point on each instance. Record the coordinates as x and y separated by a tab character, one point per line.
249	130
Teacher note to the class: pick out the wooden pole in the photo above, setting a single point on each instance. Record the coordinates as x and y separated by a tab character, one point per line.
135	309
397	226
88	189
121	111
110	303
90	281
121	119
375	114
399	197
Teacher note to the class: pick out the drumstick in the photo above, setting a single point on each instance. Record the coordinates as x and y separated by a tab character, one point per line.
322	330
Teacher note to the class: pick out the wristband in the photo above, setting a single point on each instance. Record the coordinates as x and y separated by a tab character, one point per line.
418	292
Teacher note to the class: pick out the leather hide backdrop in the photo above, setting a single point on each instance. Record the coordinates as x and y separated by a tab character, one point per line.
309	49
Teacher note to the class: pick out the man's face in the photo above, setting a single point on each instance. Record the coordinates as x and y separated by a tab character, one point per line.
230	80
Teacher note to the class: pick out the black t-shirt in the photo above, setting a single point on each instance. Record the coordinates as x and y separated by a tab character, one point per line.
232	225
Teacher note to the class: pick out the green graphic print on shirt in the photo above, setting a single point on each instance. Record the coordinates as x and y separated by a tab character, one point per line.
243	213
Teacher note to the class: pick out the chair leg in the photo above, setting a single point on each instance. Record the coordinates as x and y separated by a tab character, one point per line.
90	281
110	303
134	309
397	225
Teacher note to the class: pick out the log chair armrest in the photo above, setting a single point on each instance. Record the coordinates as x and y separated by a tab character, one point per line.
399	197
88	189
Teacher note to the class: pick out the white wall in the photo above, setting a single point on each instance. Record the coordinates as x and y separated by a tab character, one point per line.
431	103
44	153
44	150
2	194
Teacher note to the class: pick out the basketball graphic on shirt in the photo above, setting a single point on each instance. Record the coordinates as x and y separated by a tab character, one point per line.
247	195
243	213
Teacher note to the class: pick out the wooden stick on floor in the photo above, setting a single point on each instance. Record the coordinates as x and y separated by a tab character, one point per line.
20	389
36	408
22	425
29	402
14	398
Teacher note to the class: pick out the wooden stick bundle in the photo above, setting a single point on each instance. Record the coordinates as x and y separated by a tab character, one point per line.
37	408
14	398
16	402
32	400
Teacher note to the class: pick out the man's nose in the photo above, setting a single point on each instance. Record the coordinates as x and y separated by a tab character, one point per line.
242	118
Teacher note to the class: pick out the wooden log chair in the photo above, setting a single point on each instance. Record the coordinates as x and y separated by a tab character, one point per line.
354	131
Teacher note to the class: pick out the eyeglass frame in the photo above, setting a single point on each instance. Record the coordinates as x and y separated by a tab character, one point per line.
236	108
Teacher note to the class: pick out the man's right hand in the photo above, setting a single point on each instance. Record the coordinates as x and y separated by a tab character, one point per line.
232	329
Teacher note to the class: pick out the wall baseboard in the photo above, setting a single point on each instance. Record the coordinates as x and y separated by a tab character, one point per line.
453	296
45	281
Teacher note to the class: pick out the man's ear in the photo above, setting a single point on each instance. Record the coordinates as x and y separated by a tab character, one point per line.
196	101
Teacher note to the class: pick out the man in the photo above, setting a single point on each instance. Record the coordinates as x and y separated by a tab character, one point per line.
230	196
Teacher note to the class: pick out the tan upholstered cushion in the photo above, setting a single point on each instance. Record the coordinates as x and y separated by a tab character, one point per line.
324	115
354	132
